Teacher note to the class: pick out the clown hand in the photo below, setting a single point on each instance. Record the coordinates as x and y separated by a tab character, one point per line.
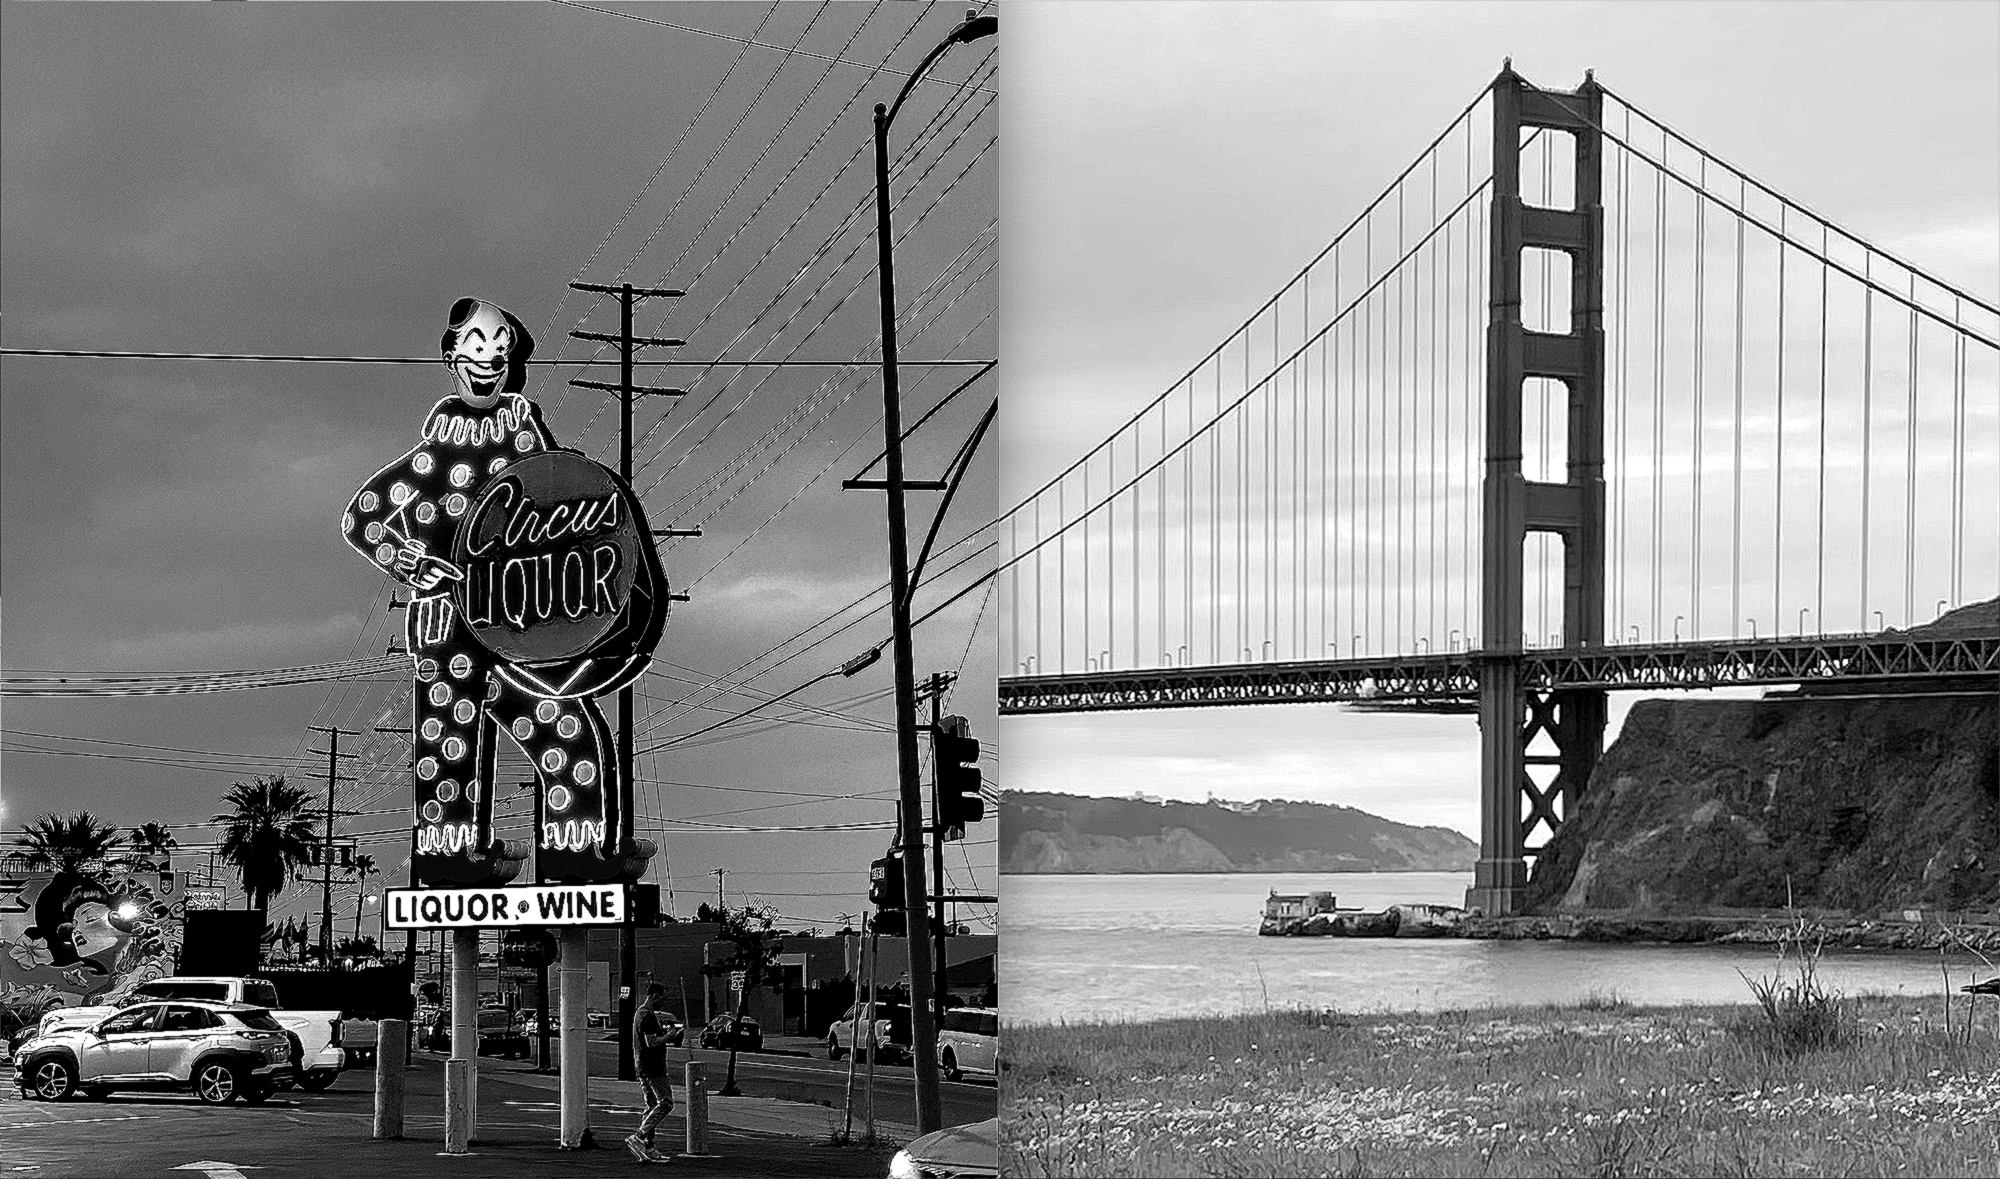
415	565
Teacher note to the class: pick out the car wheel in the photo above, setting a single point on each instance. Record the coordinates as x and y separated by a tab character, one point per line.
53	1079
216	1083
832	1048
950	1063
315	1082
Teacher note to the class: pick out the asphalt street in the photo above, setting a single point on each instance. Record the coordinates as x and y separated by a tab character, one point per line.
784	1125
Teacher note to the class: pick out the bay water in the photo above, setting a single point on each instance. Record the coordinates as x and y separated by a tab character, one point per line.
1115	948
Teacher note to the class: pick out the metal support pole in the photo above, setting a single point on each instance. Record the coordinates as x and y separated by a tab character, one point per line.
874	954
463	1095
392	1060
694	1094
936	933
923	1028
575	1086
627	977
854	1035
457	1106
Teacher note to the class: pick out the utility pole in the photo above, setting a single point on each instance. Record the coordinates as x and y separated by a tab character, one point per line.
333	733
627	295
718	874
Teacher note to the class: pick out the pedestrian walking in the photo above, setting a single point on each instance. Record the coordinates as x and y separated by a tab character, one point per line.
649	1046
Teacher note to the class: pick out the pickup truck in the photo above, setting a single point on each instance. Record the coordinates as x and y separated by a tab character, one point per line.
320	1056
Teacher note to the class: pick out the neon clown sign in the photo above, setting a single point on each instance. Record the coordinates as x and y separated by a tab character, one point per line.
537	588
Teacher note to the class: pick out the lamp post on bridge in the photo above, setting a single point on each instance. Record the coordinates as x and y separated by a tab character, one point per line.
923	1029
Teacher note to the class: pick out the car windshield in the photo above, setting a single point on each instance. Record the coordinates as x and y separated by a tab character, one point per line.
261	993
259	1019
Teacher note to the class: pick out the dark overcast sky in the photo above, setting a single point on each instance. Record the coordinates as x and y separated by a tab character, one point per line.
1169	166
326	179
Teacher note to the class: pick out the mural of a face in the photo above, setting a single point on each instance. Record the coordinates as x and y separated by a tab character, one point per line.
478	357
99	933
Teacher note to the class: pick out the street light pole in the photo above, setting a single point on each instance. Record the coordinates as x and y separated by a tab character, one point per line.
923	1027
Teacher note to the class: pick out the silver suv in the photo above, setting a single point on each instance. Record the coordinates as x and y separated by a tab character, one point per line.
221	1051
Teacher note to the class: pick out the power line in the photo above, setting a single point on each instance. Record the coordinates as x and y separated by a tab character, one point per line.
742	40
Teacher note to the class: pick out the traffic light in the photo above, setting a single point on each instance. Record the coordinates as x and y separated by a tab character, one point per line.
885	882
891	923
958	777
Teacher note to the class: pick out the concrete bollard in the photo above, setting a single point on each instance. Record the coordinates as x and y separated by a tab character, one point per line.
695	1091
457	1109
392	1047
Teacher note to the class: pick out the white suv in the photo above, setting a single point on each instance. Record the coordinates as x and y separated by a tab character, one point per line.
221	1051
969	1042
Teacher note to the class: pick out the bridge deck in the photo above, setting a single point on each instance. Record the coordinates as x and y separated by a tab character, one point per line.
1443	679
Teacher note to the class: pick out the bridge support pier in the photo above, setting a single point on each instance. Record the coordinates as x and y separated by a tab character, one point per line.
1537	745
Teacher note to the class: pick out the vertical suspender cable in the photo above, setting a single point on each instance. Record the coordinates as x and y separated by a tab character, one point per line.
1368	444
1736	444
1659	381
1867	425
1910	475
1778	465
1431	452
1700	294
1957	461
1819	546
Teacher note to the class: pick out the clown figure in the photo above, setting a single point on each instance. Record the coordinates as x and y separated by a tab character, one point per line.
404	520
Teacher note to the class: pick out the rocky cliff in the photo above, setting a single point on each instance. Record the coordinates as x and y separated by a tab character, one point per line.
1068	833
1867	802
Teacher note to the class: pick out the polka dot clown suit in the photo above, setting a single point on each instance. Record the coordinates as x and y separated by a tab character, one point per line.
403	520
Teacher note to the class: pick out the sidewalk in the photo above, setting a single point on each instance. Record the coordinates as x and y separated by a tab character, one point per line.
763	1115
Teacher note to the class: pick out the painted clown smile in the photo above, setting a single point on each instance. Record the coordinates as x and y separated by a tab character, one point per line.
480	379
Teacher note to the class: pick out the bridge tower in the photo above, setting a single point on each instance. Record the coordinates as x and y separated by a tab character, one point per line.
1511	714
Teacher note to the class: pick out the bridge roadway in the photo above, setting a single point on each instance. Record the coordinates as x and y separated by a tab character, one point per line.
1450	681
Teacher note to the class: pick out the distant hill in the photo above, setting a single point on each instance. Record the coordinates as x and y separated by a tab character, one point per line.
1062	833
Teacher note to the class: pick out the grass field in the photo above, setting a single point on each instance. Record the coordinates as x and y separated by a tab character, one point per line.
1807	1085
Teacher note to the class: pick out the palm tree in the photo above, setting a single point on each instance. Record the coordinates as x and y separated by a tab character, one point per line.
267	836
151	847
78	843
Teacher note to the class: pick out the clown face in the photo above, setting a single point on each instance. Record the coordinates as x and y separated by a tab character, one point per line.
478	358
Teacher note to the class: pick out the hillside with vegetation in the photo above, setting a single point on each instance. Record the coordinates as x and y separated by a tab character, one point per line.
1066	833
1859	800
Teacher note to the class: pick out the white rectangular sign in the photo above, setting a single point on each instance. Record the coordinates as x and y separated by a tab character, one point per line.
494	908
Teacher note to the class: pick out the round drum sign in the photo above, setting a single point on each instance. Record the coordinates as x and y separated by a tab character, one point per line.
558	564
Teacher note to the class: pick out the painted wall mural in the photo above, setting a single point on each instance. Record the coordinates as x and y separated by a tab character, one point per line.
71	938
537	587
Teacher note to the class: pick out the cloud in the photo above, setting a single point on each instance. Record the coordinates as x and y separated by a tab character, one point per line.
351	134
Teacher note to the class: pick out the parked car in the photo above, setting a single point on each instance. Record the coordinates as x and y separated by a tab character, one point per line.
955	1152
316	1034
891	1035
220	1051
747	1038
969	1042
500	1033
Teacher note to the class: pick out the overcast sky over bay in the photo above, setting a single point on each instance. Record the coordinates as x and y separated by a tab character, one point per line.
326	179
1168	167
